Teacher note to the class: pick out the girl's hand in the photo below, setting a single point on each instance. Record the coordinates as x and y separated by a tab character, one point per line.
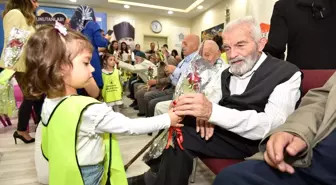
175	121
92	88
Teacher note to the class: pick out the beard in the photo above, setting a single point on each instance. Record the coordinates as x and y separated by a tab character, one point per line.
241	65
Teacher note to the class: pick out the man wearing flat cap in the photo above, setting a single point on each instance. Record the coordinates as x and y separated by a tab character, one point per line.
141	68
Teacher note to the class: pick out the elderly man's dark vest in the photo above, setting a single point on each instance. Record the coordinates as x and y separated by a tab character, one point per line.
269	74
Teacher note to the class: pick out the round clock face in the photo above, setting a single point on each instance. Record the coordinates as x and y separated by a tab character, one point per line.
156	27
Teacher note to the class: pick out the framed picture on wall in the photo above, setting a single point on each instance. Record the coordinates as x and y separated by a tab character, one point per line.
208	34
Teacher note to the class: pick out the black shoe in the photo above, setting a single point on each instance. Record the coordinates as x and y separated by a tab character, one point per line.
8	120
134	104
141	114
17	135
136	180
136	107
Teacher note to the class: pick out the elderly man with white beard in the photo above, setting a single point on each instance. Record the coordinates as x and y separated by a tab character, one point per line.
258	93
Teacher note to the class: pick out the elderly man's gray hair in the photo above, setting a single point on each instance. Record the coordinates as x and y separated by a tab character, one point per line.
250	22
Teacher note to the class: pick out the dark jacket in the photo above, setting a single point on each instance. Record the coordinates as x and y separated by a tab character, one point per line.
310	37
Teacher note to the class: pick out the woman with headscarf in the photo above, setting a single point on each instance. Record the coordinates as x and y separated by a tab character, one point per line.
84	21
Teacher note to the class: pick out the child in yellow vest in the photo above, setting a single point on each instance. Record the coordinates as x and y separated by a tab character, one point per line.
112	90
77	131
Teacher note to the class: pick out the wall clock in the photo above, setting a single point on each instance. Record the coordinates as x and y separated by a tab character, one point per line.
156	26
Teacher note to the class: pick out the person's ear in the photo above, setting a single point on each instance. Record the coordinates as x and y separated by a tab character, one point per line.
65	69
261	44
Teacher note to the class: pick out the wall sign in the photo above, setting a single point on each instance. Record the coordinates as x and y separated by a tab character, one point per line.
48	18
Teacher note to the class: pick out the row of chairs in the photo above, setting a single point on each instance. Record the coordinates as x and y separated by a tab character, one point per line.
311	79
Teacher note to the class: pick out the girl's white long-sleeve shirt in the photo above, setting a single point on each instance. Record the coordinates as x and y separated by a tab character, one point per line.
98	119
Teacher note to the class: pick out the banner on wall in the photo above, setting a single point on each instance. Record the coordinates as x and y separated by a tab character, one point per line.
265	28
208	34
48	18
48	15
123	30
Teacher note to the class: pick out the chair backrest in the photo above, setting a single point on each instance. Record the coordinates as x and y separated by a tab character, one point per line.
315	78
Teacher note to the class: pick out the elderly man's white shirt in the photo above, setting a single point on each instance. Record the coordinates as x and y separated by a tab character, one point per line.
249	123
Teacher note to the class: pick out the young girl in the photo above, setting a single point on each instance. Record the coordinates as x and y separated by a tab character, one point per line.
112	89
76	137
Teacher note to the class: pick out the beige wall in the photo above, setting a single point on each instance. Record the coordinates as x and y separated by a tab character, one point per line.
260	9
143	21
216	15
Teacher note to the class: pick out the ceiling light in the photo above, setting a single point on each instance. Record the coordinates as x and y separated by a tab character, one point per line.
126	6
200	7
170	12
131	3
73	1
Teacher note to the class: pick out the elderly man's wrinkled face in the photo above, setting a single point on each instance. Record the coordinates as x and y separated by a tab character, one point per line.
241	49
210	54
138	59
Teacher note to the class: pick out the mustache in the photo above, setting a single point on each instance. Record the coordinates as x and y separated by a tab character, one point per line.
237	59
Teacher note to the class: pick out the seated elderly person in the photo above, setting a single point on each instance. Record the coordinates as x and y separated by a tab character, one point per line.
190	46
159	83
140	68
259	92
211	53
300	152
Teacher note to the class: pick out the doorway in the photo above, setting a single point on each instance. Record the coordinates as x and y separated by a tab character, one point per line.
158	40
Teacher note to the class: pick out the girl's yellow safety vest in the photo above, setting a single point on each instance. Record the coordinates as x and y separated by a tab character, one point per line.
59	137
112	89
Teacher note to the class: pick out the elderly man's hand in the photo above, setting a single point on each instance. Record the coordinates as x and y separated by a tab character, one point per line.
169	69
196	105
205	128
151	82
277	145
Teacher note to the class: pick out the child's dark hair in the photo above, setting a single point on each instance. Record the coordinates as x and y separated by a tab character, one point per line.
105	58
219	41
47	53
174	53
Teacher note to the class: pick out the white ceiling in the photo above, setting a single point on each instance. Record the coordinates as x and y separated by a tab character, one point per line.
174	4
182	4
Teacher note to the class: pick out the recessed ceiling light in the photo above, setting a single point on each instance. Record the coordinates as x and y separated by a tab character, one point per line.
73	1
200	7
170	12
126	6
